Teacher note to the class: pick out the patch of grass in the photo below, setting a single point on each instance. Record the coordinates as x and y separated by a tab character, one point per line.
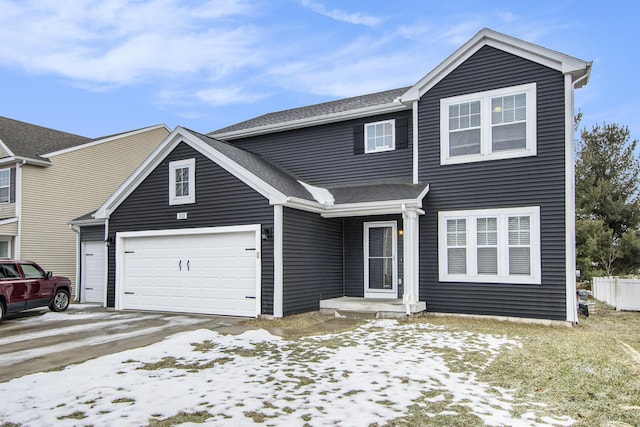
171	362
123	400
296	321
78	415
258	417
204	346
590	372
9	425
180	418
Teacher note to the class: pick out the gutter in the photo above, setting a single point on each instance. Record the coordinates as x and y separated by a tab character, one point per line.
78	260
24	160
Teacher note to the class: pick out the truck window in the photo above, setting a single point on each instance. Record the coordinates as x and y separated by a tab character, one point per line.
31	271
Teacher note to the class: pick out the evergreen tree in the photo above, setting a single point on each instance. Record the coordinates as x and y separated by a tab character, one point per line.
607	202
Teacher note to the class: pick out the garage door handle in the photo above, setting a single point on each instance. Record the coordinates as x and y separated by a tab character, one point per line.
248	297
188	269
180	265
129	293
88	289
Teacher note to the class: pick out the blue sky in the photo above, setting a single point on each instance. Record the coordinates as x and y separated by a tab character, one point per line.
99	67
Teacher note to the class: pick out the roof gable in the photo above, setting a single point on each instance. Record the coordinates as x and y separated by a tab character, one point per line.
264	177
558	61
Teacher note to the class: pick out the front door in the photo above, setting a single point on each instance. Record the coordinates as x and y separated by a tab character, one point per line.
380	259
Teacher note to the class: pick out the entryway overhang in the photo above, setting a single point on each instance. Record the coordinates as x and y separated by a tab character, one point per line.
377	200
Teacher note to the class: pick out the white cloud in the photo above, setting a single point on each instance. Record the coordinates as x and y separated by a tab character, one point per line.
340	15
105	44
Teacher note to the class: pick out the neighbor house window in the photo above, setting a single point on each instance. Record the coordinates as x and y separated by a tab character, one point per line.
182	182
501	245
379	136
488	125
5	185
5	249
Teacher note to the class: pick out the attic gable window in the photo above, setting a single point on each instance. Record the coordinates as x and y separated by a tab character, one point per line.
5	185
182	182
496	124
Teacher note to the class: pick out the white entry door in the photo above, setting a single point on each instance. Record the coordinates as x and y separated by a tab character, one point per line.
209	273
380	259
93	269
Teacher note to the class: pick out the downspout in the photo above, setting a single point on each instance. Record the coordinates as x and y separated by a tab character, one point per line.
570	198
78	260
415	142
407	297
18	244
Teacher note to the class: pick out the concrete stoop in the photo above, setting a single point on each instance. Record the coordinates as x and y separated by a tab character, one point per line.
370	308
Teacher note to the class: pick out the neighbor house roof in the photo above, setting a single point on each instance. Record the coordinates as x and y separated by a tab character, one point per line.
28	141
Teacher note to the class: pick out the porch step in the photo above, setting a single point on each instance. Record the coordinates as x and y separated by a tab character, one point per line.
370	308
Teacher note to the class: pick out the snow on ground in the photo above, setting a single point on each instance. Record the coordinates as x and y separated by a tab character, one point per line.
369	375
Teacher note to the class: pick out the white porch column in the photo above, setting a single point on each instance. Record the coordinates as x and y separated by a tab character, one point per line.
277	261
411	257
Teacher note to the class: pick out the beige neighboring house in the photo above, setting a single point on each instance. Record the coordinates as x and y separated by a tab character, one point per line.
48	178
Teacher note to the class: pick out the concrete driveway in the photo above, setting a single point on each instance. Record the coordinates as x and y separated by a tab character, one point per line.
39	340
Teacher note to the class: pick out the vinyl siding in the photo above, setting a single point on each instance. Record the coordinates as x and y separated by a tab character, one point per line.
77	182
10	229
7	210
528	181
312	267
221	200
92	233
354	253
3	153
324	155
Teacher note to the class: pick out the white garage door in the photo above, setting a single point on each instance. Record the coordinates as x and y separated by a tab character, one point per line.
196	273
93	278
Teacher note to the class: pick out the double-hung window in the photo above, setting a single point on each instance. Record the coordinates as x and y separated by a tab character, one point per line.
497	245
496	124
182	182
5	185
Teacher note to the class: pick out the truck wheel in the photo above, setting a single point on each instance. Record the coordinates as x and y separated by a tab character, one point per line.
1	310
60	301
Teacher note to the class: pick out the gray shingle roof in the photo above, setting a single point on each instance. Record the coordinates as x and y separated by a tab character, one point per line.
376	192
31	141
317	110
273	175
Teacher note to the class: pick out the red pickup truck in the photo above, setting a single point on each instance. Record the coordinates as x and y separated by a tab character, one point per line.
25	285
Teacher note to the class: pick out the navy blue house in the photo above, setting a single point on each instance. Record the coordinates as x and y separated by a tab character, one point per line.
454	195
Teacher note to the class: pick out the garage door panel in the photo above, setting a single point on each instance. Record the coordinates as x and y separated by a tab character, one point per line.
201	273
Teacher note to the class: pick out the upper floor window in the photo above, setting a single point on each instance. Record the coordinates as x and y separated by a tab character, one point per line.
5	185
182	182
491	245
379	136
496	124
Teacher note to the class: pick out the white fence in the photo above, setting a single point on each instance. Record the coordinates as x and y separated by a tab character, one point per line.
623	294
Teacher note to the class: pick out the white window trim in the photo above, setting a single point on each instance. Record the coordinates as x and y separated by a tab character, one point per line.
381	293
8	186
503	262
393	136
182	200
485	125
